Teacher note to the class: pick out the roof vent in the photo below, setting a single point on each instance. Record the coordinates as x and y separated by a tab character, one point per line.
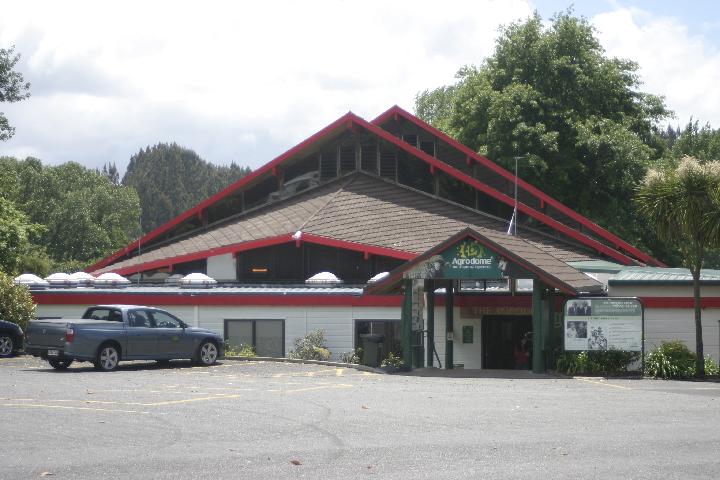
83	279
111	280
197	280
323	278
33	282
61	280
378	277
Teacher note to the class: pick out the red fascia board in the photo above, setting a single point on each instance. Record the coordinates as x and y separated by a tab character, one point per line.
267	242
571	232
219	300
342	123
90	298
358	247
396	111
237	247
679	302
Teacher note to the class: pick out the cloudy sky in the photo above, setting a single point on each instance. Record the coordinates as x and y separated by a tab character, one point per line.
243	82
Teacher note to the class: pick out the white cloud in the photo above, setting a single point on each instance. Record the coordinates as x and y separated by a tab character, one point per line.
674	62
245	81
235	81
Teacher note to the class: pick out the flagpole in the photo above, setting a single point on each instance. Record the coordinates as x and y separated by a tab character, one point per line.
516	203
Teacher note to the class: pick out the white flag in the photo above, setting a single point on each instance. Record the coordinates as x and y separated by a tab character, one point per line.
512	223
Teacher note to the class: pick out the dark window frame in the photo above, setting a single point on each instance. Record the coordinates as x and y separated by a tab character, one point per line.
254	329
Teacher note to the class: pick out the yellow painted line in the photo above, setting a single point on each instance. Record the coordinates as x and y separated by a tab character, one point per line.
341	385
189	400
65	407
604	384
339	372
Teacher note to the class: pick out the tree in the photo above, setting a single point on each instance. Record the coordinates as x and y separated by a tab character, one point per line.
683	204
171	179
16	303
702	143
85	216
551	95
13	87
16	232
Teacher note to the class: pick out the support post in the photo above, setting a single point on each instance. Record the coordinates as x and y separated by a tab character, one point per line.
449	327
407	324
538	358
430	293
549	331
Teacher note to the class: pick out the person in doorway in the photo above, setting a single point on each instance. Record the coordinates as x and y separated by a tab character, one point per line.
522	354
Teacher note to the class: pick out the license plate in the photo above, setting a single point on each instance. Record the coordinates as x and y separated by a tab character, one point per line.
53	353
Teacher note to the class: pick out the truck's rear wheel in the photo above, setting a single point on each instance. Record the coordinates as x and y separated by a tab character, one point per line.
6	345
59	363
108	357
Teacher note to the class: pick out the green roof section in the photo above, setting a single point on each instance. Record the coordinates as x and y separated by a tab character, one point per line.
663	276
598	266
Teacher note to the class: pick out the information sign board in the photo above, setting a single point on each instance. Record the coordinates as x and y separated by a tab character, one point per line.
610	323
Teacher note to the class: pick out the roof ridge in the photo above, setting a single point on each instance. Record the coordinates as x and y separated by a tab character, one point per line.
349	181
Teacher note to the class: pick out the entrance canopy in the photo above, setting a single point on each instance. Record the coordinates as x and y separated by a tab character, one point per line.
489	255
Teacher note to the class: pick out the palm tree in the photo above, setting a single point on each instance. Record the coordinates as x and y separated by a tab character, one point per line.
683	205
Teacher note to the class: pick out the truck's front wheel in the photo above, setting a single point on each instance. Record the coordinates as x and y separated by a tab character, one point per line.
207	354
108	358
59	364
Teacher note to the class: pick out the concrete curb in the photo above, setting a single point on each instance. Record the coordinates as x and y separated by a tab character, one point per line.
362	368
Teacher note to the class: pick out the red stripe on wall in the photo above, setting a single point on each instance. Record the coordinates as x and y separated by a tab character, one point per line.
89	298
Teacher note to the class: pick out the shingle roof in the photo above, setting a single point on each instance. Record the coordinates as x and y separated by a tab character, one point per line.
546	266
366	210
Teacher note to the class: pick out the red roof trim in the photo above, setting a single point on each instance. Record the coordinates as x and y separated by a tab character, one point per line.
572	233
395	111
341	123
266	242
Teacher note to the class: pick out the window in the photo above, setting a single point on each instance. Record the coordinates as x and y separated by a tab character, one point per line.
103	313
165	320
267	335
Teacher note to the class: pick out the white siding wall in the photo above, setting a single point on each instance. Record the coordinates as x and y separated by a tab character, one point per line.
339	323
676	323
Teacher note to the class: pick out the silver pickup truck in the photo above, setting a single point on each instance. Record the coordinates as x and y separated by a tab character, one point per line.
107	334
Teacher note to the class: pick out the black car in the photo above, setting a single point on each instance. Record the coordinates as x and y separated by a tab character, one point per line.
11	338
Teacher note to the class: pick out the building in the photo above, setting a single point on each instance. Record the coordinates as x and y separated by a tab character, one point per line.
359	199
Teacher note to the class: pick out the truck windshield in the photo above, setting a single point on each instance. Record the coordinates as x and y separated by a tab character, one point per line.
103	313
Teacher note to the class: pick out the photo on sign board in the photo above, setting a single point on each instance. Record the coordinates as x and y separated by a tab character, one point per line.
579	308
576	329
598	338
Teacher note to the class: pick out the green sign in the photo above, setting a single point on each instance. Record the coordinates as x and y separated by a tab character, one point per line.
467	259
470	259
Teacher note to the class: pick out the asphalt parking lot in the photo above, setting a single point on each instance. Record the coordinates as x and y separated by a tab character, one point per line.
280	420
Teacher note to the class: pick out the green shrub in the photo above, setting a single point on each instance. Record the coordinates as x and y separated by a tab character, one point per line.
16	303
353	356
311	347
241	350
602	362
711	366
392	361
670	360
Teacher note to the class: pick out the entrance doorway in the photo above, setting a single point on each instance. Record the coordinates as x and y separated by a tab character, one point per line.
500	335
